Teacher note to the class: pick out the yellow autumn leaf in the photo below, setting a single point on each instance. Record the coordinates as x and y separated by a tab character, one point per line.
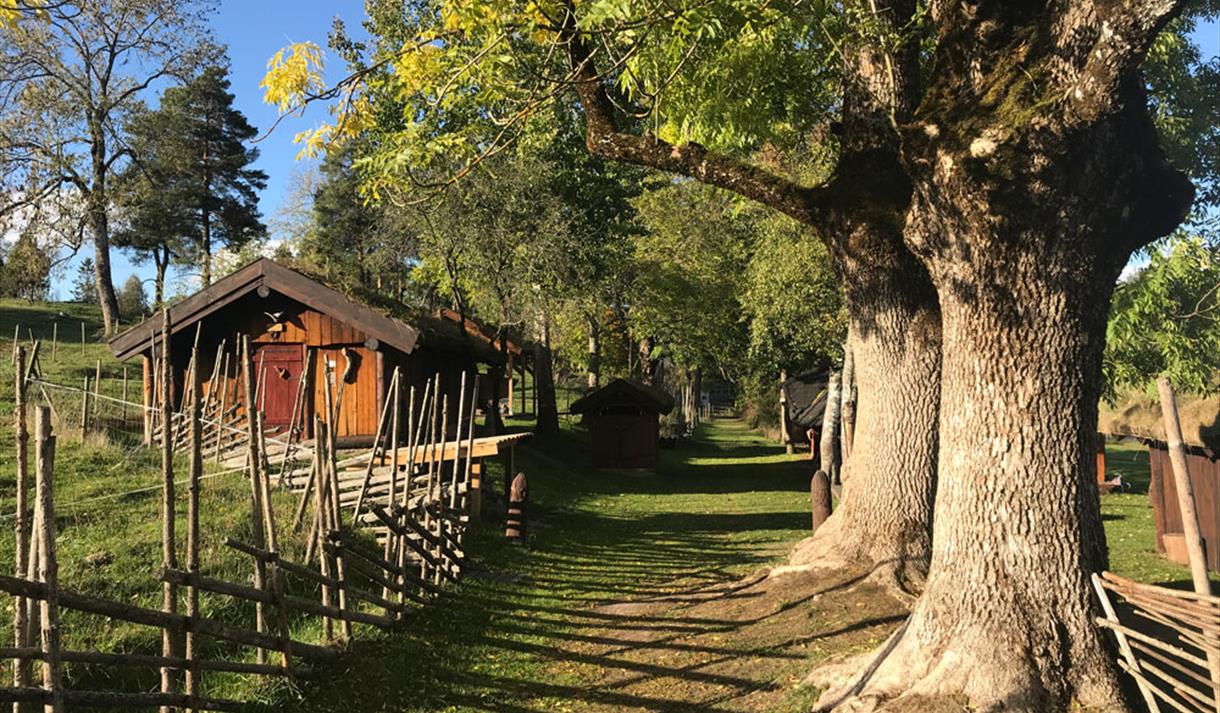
292	73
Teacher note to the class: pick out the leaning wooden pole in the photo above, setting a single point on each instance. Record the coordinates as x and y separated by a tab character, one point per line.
254	463
52	675
21	525
1190	518
382	422
169	557
195	430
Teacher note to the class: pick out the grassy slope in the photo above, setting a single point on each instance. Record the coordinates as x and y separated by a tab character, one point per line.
716	509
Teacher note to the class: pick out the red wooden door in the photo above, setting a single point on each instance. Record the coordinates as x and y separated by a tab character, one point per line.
279	367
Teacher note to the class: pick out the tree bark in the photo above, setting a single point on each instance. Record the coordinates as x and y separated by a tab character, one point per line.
1024	211
889	483
884	517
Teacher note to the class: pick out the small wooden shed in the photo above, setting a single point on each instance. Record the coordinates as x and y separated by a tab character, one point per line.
1139	416
296	322
802	402
623	418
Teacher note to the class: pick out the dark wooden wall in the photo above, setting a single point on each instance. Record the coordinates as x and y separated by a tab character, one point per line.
623	440
1205	481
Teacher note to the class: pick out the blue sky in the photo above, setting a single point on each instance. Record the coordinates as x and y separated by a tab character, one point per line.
253	32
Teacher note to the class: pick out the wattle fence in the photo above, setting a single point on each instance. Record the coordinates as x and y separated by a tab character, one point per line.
396	549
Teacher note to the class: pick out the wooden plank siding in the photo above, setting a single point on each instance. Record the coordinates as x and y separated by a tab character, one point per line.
285	313
1205	480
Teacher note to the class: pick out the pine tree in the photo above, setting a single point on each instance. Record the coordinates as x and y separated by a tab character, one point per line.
133	302
192	186
83	289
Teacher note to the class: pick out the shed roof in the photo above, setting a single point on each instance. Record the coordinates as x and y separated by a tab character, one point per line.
806	397
379	322
621	390
481	331
1137	414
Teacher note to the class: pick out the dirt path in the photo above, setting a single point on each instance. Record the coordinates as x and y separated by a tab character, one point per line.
740	646
629	597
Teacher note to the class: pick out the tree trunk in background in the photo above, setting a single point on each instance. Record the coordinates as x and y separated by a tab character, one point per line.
544	383
847	405
697	400
161	262
593	379
99	225
646	364
884	516
1024	228
828	462
785	437
205	248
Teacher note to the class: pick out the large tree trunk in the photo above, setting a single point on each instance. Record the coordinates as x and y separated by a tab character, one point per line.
1025	210
889	480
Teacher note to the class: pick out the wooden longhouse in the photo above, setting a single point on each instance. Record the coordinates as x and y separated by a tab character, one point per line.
301	327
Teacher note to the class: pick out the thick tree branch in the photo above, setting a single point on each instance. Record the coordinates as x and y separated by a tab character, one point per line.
1099	43
605	139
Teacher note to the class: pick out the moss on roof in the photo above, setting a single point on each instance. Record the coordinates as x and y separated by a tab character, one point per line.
1138	414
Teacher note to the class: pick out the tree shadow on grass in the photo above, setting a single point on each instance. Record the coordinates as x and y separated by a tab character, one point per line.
649	541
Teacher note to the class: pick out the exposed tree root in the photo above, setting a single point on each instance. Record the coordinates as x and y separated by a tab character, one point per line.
914	673
832	549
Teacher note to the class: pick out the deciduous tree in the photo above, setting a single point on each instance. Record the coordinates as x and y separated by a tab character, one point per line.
70	73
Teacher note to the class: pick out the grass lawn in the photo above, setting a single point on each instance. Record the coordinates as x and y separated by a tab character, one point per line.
551	626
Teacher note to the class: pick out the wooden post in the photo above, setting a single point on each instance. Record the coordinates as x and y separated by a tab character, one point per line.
471	490
819	496
382	422
97	392
1190	518
274	575
192	537
391	497
320	499
21	526
224	396
16	340
254	463
84	410
169	556
44	495
82	337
